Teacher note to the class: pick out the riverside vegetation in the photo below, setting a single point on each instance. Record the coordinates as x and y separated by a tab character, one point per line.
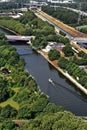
22	105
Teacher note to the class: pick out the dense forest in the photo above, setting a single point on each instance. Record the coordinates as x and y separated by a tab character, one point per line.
22	105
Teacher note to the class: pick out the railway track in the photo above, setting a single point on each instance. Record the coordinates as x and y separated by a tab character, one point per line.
70	30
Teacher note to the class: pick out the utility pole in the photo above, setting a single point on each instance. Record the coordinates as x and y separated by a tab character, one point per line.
79	15
55	5
21	4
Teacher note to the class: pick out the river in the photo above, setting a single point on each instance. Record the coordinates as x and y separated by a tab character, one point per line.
62	92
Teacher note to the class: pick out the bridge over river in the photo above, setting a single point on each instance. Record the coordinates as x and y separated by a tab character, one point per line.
14	38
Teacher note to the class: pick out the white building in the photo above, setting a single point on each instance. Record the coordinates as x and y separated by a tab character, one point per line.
5	0
60	1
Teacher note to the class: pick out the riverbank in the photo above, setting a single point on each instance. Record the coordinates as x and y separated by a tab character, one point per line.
9	30
54	63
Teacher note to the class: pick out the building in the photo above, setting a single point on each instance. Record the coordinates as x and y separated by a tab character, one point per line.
60	1
5	0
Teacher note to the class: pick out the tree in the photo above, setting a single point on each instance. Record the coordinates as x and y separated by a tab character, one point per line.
9	125
39	105
54	54
62	62
8	112
4	92
83	80
64	40
24	113
68	50
52	108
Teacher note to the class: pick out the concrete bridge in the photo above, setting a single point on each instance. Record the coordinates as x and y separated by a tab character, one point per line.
14	38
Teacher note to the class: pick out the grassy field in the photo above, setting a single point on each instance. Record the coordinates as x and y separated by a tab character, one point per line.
11	102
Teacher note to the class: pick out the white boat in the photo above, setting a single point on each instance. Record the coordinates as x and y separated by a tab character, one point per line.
50	80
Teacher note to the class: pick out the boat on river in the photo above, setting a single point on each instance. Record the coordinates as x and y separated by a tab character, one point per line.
51	81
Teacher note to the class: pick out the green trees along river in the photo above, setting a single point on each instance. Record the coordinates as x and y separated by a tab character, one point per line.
22	105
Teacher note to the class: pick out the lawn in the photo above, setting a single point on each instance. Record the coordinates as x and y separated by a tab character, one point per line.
11	102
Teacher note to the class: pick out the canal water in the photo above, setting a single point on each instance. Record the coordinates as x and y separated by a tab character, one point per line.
62	92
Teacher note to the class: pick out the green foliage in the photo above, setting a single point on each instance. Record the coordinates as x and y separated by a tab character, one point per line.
28	16
52	108
53	38
8	112
24	113
4	92
84	30
53	54
40	42
82	61
39	105
62	62
34	105
64	40
83	80
68	50
2	36
7	6
81	53
8	55
54	121
67	16
9	125
20	97
75	71
13	25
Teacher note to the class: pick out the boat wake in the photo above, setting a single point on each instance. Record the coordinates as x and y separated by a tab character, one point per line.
51	81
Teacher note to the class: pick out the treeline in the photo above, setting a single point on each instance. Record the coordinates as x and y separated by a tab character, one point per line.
12	5
13	25
62	14
65	15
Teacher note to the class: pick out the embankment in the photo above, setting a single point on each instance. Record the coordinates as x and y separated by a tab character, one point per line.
9	30
65	74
